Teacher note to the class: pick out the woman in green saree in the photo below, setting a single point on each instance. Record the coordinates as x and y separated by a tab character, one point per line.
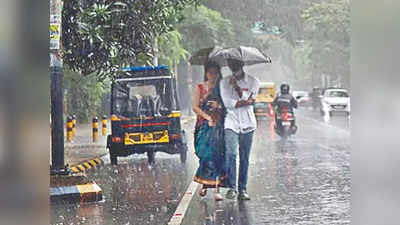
209	131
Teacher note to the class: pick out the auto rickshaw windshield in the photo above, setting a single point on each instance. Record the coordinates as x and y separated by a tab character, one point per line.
143	98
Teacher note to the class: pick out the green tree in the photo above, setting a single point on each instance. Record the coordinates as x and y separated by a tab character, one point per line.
203	27
279	21
171	49
282	15
328	36
84	95
303	64
103	36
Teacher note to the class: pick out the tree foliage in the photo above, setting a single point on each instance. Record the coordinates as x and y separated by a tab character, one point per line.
282	14
171	49
203	27
102	36
242	15
328	37
84	95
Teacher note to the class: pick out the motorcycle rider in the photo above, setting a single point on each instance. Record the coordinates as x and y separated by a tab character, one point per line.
284	100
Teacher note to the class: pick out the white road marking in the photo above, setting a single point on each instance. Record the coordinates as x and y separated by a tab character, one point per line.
180	211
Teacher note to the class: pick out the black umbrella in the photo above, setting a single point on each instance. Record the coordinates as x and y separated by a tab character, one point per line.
248	55
201	56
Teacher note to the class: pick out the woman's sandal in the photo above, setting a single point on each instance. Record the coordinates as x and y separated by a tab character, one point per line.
203	192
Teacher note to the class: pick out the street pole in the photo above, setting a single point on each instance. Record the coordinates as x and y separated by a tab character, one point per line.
63	186
56	89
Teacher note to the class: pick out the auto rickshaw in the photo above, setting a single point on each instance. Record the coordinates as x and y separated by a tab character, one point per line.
265	97
145	114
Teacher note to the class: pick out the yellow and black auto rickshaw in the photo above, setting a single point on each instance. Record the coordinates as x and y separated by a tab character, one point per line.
145	114
265	97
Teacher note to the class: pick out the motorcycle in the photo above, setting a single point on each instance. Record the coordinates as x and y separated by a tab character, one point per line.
285	123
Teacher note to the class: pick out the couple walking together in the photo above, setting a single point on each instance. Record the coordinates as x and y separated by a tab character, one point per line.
224	128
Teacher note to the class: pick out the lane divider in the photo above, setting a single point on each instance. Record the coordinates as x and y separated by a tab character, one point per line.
89	164
180	211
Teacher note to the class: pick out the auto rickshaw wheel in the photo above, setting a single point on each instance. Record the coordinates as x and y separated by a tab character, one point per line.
151	156
113	159
113	156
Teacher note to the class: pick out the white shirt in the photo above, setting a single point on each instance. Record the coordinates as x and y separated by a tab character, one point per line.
242	119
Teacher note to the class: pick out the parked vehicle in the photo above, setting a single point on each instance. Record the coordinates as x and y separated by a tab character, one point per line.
145	114
265	97
335	100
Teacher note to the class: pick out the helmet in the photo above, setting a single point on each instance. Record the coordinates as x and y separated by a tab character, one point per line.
285	88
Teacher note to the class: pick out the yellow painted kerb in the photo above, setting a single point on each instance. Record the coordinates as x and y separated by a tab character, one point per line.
92	162
82	168
88	188
75	169
87	165
98	161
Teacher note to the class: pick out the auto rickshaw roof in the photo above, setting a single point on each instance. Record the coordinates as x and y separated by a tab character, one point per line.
145	68
267	84
144	71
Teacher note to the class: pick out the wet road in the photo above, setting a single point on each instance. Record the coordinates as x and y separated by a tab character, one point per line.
338	119
303	181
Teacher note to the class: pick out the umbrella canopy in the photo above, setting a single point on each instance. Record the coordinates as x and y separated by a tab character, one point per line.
201	56
248	55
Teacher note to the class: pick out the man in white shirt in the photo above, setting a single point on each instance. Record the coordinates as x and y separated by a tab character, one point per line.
238	94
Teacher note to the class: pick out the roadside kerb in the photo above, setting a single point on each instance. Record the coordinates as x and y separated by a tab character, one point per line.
74	189
89	164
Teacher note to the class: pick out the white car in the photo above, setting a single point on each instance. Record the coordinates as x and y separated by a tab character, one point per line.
335	100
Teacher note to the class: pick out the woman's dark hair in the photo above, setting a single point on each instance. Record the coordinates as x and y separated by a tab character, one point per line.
209	65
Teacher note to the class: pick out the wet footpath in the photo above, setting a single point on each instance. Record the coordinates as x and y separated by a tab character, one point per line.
82	147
